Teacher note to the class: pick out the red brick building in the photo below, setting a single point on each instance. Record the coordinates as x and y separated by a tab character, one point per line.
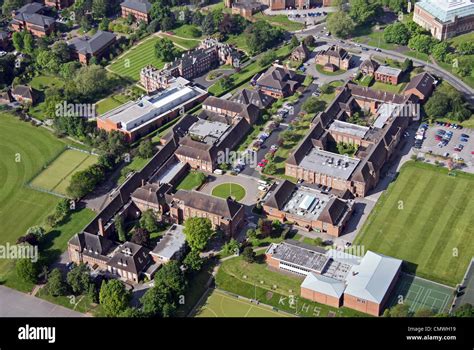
421	85
139	9
279	82
30	18
85	48
336	278
388	75
59	4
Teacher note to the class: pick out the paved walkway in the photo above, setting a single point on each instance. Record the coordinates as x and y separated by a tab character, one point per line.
17	304
248	183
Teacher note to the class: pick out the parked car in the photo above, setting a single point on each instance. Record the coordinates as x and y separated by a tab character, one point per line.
465	136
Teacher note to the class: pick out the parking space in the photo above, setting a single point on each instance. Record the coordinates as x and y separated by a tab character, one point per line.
449	142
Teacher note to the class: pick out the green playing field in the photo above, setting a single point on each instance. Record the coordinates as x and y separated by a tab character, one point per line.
219	304
57	176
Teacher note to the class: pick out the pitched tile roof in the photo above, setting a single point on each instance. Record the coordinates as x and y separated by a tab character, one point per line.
226	208
94	44
131	257
138	5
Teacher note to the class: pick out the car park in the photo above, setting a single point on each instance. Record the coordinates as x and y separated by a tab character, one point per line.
463	139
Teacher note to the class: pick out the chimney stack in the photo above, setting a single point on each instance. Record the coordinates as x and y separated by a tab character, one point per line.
101	227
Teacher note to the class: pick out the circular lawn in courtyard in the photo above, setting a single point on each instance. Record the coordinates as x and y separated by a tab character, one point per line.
229	190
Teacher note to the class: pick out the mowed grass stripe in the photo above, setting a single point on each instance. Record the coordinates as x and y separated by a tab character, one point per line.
413	207
428	227
456	213
384	214
437	218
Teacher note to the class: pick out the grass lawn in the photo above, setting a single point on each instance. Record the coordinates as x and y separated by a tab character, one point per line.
320	69
229	190
139	56
281	21
192	181
110	103
57	176
256	281
220	304
425	218
80	303
182	43
188	31
388	87
21	207
238	40
136	164
40	84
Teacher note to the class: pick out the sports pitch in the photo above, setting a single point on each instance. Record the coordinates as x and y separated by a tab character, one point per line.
425	218
57	176
421	294
219	304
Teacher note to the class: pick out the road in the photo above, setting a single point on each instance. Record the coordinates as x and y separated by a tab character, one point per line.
17	304
461	86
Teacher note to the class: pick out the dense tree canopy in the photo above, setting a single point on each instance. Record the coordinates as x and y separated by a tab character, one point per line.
114	298
198	231
340	24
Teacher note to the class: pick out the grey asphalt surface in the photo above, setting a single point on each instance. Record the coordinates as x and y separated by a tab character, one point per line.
17	304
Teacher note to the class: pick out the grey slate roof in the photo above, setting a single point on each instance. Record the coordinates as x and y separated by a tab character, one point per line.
131	257
281	195
137	5
226	208
422	82
94	44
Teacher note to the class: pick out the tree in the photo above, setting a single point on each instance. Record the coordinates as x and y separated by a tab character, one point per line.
399	310
85	181
313	105
294	42
17	40
56	285
309	41
28	44
113	297
465	310
36	231
198	231
318	241
207	25
145	149
148	221
226	82
407	65
170	279
249	255
140	236
466	48
362	10
27	270
421	43
251	233
120	228
340	24
156	302
91	80
79	279
231	247
267	58
193	261
164	50
424	313
440	50
397	33
262	36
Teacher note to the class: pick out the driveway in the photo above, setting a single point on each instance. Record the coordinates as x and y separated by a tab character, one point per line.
17	304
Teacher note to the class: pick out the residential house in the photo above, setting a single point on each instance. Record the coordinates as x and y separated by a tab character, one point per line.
279	82
23	94
421	85
93	250
129	261
30	18
368	67
300	53
388	75
85	48
139	9
334	58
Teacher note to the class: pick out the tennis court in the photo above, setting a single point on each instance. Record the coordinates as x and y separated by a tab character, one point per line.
219	304
420	294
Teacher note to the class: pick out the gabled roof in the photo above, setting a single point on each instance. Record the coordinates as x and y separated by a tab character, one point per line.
335	51
151	193
3	35
369	63
325	285
280	195
138	5
422	82
131	257
371	279
23	91
301	49
255	97
94	44
91	244
31	8
226	208
276	77
333	211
